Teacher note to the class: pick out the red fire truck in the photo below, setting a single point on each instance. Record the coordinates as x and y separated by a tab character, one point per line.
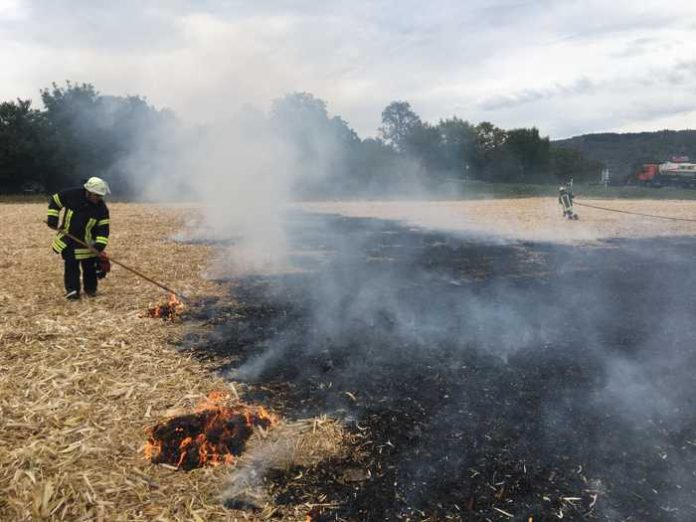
678	171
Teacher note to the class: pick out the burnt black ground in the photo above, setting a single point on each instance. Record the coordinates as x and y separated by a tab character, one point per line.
482	379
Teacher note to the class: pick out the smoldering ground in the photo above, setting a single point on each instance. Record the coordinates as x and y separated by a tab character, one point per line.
482	379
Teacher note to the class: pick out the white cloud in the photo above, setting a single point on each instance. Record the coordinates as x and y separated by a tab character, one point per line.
11	10
565	67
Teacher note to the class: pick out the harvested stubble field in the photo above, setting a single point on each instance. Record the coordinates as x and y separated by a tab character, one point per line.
81	382
532	219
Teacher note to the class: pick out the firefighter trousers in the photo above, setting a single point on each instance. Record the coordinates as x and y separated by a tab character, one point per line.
72	272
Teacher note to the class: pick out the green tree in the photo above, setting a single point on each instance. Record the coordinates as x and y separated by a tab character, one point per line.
26	151
569	163
457	145
423	143
80	143
303	119
488	159
398	123
324	147
531	153
97	135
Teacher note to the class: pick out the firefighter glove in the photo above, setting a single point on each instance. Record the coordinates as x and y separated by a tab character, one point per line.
103	267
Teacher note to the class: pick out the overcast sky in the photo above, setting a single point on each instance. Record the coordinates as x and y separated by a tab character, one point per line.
566	66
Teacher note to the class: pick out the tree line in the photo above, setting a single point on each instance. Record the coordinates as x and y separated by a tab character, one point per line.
80	133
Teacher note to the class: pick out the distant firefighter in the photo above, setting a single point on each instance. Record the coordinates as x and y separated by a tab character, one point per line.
565	199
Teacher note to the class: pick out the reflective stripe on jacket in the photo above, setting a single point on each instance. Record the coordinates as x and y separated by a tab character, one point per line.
86	221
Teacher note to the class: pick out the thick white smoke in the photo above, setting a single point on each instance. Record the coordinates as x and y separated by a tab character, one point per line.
242	174
237	174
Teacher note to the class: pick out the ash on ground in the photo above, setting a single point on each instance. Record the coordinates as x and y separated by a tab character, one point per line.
482	380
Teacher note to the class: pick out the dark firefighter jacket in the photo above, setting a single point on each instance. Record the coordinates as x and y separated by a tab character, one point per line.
566	199
84	220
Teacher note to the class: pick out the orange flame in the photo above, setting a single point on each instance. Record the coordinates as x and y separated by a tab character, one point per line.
170	310
212	435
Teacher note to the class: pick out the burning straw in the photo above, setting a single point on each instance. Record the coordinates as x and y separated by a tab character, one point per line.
213	434
170	310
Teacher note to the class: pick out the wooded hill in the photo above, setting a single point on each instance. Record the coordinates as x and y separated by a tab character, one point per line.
623	153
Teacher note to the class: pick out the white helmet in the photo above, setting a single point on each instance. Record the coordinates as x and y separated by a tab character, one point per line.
97	186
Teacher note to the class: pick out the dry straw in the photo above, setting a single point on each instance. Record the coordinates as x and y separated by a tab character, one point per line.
80	382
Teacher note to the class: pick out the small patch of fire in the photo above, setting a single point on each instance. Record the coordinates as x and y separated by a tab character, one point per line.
213	434
170	310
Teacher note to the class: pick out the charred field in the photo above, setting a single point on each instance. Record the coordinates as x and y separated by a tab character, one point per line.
481	380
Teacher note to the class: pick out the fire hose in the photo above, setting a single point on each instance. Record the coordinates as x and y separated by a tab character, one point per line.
632	213
119	263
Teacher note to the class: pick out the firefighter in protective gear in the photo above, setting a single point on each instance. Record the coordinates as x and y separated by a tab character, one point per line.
85	216
565	199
